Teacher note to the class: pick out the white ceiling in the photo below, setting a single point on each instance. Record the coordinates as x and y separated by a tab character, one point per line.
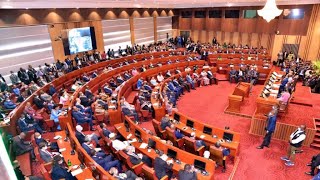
40	4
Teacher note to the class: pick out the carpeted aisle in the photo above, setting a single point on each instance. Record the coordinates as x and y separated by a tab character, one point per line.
207	104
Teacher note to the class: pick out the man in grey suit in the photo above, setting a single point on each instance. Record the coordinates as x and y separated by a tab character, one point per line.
188	173
45	155
20	146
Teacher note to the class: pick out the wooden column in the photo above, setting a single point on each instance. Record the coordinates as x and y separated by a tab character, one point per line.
132	30
155	28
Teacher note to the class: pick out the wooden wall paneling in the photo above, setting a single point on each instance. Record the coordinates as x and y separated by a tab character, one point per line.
264	27
290	39
219	36
195	35
259	40
264	40
185	23
211	34
231	38
229	24
198	23
245	39
57	46
99	35
314	44
302	46
235	38
226	37
277	45
155	29
295	26
223	37
213	24
132	30
240	38
203	36
247	25
254	39
175	32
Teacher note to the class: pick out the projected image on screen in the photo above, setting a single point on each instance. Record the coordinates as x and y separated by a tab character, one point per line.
79	40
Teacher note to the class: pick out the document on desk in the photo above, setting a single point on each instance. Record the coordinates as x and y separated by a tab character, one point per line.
76	172
202	136
143	145
57	137
62	149
97	149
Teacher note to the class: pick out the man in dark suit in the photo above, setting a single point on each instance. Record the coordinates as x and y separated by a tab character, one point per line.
128	175
106	162
59	171
271	126
20	146
81	117
107	89
162	168
104	129
165	122
38	139
137	158
39	102
188	173
233	75
315	161
81	137
26	126
45	155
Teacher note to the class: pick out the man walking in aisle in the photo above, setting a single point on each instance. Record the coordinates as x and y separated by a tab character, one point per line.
296	140
271	126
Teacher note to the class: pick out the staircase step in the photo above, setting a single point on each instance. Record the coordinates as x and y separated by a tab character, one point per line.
315	145
317	133
316	140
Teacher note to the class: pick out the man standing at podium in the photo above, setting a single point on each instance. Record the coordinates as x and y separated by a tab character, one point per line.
271	126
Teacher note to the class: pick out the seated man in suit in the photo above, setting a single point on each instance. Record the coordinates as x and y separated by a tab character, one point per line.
81	137
190	80
233	74
46	155
163	168
39	102
177	84
128	175
59	171
26	124
119	79
127	76
183	83
199	143
38	139
188	173
212	77
20	146
83	109
107	89
128	111
137	158
177	132
146	86
8	104
165	122
104	161
85	101
139	83
106	132
88	93
81	117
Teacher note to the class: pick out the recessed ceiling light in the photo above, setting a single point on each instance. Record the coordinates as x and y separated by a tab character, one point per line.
27	8
6	7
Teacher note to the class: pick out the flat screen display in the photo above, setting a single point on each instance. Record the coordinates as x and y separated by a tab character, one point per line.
227	136
200	165
172	154
207	130
151	143
176	117
190	123
79	40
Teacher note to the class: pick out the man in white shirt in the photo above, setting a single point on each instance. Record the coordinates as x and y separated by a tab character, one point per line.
296	140
160	77
117	144
153	81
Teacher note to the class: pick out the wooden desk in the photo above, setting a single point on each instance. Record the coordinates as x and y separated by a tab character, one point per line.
183	156
210	140
86	174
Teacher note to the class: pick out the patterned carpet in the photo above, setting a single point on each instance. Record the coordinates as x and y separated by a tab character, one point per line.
206	104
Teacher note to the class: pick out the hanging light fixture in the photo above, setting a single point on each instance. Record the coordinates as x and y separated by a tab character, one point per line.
269	11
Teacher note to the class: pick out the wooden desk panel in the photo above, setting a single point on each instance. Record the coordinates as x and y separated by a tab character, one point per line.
86	174
183	156
198	126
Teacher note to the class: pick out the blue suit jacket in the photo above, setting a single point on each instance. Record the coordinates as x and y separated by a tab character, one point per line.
147	87
23	125
78	116
107	90
178	134
86	147
45	156
171	86
139	84
59	172
272	120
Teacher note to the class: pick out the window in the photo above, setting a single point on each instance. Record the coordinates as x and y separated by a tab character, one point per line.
186	14
215	14
293	13
248	14
200	14
232	13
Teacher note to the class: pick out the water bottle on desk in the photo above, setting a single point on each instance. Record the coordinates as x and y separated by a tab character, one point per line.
69	163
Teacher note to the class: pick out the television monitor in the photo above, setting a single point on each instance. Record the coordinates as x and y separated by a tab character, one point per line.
176	117
79	40
207	130
137	134
126	124
190	123
200	165
151	143
172	154
227	136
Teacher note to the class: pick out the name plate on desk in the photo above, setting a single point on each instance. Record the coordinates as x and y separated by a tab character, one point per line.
62	149
143	145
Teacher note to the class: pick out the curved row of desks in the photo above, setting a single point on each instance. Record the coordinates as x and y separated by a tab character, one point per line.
59	82
181	155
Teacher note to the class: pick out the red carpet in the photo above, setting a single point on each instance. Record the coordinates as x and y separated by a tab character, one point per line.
206	104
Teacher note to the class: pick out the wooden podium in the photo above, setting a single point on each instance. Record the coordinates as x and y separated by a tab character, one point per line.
235	99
